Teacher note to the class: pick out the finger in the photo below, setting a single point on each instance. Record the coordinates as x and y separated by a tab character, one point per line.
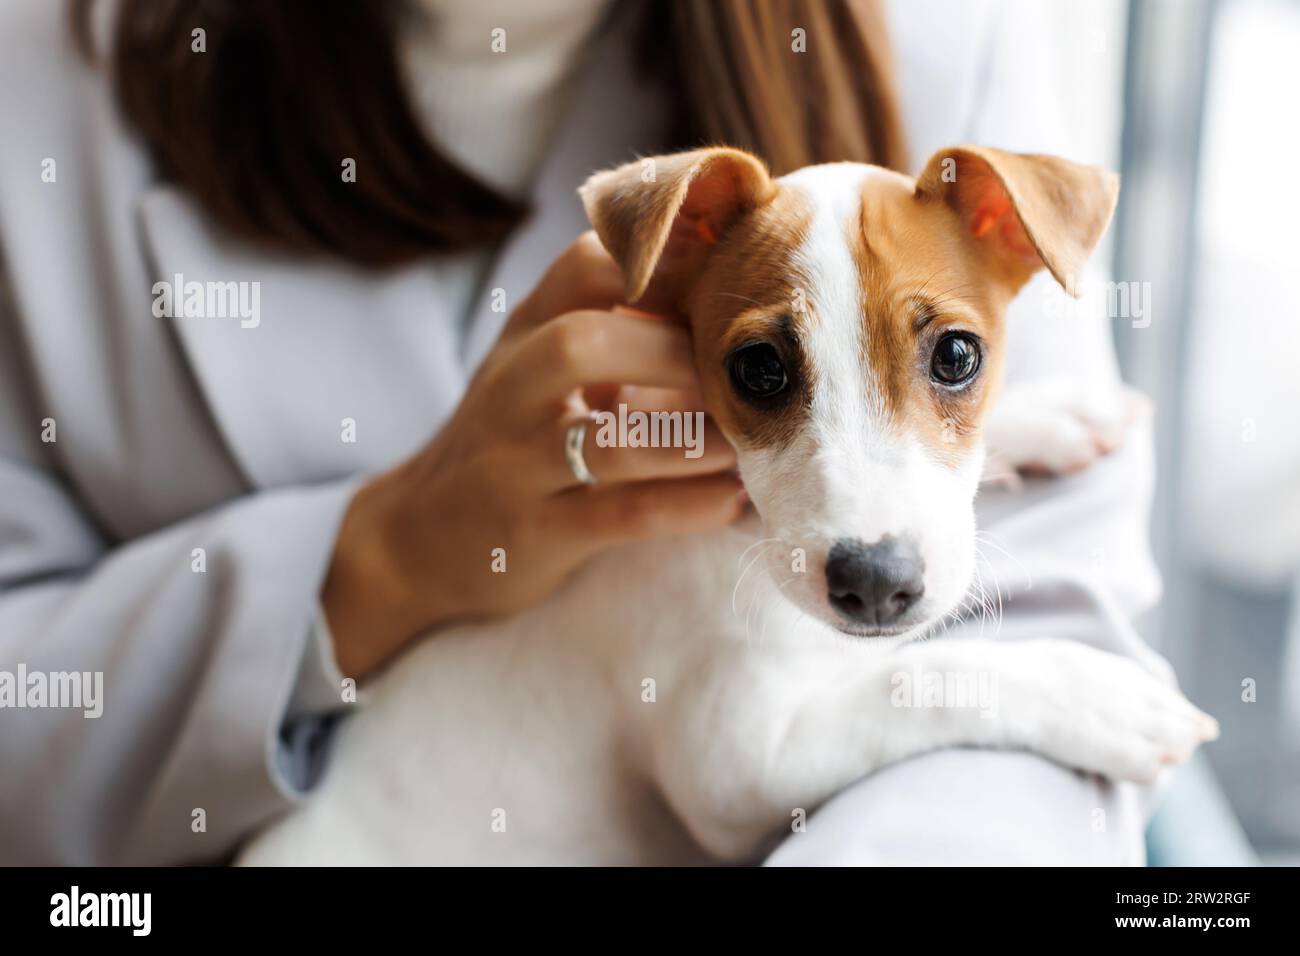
583	277
637	398
604	395
624	448
642	399
655	311
616	514
591	348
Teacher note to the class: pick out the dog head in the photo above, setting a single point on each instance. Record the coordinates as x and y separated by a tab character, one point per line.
848	331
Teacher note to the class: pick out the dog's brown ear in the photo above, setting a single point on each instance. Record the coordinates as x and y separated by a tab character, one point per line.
1023	210
663	214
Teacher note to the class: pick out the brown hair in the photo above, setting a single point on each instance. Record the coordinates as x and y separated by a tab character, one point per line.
258	127
823	94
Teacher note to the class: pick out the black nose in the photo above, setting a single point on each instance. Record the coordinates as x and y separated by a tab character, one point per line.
874	584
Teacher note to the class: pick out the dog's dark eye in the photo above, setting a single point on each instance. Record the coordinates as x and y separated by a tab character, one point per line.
956	359
757	370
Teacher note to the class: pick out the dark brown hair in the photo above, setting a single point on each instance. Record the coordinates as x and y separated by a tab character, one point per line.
258	127
795	81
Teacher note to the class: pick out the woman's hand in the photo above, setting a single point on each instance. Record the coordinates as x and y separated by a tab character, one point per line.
416	547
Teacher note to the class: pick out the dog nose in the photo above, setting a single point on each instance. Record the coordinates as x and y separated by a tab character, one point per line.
874	584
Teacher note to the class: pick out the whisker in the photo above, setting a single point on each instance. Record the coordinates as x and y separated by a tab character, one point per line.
997	586
983	596
765	542
758	543
983	537
780	590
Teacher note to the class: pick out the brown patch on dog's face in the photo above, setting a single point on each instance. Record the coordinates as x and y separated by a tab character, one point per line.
921	285
918	283
753	295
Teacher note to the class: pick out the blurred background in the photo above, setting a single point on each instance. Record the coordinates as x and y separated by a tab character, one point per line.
1194	102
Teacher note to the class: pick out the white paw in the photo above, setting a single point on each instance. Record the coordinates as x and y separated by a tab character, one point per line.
1098	712
1057	426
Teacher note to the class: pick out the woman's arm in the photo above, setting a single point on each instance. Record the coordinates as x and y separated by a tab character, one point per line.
187	668
414	551
199	665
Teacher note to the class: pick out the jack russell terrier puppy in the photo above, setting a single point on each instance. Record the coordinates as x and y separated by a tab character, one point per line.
848	331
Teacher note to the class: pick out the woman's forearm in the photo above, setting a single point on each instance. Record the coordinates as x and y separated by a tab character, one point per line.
196	659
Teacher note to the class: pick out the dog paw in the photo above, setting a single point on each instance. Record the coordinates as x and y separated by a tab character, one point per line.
1098	712
1057	426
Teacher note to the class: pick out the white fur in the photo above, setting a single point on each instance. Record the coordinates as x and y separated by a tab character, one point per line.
672	706
757	713
851	473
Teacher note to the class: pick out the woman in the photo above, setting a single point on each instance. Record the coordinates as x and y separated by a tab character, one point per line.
243	459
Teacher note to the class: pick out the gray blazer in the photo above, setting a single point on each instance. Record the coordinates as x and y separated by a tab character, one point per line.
170	487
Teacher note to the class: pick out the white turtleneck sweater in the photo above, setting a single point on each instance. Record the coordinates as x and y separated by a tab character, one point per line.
490	78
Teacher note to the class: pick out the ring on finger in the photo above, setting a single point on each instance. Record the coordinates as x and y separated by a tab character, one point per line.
574	439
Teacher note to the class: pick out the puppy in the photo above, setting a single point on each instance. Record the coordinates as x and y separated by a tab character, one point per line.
848	331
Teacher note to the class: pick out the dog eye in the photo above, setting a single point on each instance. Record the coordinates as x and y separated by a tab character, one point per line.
956	359
757	370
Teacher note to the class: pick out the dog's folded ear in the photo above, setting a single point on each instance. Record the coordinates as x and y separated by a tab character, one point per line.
1024	211
659	217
